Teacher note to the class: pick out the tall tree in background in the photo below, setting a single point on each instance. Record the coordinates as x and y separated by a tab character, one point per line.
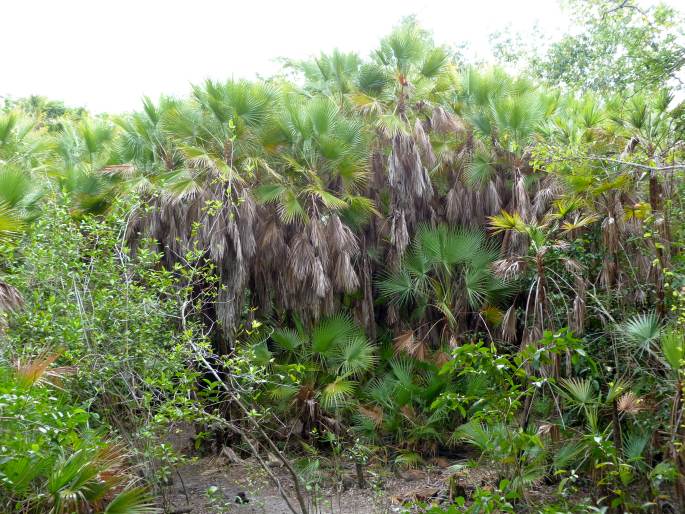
621	46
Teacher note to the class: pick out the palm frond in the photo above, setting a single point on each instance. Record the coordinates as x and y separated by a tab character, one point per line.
672	348
505	221
288	339
579	390
337	394
332	332
136	500
641	332
356	357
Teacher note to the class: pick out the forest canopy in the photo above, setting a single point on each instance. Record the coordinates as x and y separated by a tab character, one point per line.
362	265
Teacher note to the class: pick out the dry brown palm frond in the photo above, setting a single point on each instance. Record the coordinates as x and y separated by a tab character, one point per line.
406	174
544	197
399	235
508	326
509	267
374	413
332	424
345	277
214	236
302	257
458	205
409	344
424	145
560	245
391	316
640	296
445	122
545	429
608	272
319	241
408	412
320	283
120	170
577	315
340	237
492	203
572	266
643	264
630	147
246	221
272	247
630	403
520	198
440	358
610	234
634	226
531	335
38	371
10	298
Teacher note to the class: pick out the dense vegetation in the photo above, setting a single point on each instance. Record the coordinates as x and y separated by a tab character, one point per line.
381	260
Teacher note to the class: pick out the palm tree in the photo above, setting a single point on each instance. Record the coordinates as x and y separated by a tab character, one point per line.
196	159
311	198
22	142
84	156
548	250
330	75
507	117
23	149
647	128
329	361
447	271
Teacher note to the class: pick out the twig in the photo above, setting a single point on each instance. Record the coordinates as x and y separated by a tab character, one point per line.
624	163
296	481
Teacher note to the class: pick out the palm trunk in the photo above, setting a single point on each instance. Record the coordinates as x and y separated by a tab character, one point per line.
616	424
655	195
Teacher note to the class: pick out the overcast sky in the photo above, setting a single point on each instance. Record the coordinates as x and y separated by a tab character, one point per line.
106	55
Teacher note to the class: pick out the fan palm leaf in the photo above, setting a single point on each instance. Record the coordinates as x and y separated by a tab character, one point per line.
337	393
355	357
672	348
332	332
136	500
641	332
579	390
288	340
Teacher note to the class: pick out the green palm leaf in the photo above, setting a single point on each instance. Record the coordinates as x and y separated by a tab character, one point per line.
132	501
434	62
672	348
569	455
641	332
290	209
10	222
481	168
398	288
446	247
337	394
634	445
332	332
579	390
356	356
288	339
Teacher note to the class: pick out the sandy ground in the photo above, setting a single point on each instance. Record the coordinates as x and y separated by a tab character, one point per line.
386	492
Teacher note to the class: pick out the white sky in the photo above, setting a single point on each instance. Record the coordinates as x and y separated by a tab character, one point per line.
105	55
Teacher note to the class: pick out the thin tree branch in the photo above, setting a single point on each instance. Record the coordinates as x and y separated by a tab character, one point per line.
623	163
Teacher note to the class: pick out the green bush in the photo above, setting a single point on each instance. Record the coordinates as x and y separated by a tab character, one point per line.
51	460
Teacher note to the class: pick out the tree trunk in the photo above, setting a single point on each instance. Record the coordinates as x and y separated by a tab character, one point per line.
361	483
655	195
